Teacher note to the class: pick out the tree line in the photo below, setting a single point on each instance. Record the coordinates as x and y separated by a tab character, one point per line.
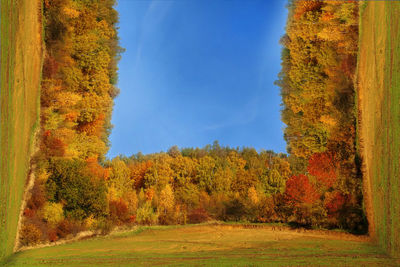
78	86
319	58
318	184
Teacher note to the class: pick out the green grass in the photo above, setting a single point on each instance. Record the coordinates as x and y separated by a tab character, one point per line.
19	112
392	119
8	31
222	245
380	86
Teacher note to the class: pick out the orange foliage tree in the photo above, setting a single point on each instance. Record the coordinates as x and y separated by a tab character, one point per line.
323	167
300	190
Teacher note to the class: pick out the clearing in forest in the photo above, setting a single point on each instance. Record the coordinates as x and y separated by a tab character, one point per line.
217	245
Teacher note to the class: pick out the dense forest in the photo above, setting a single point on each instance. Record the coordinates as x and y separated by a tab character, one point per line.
78	86
318	184
317	87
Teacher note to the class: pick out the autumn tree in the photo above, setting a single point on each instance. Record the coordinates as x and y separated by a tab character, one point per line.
323	167
299	190
81	194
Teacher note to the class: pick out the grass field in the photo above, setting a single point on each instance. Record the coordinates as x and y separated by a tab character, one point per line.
21	56
379	102
211	245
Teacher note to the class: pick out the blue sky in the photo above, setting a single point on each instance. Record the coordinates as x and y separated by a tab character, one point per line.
198	71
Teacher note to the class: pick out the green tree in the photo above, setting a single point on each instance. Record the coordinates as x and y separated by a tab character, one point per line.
81	195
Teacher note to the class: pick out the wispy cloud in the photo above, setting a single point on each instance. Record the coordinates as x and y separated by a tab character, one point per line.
153	17
244	115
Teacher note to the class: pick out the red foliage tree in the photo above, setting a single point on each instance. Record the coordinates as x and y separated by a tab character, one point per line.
29	213
323	167
52	235
132	219
300	190
334	202
119	211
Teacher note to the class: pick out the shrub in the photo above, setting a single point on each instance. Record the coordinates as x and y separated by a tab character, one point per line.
52	235
38	197
50	67
29	213
334	202
30	235
235	210
146	214
118	211
90	222
217	208
176	215
198	215
104	226
180	214
352	218
310	215
53	212
67	227
132	219
266	210
64	228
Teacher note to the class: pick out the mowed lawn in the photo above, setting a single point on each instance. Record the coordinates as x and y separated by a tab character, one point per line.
379	102
211	245
21	56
